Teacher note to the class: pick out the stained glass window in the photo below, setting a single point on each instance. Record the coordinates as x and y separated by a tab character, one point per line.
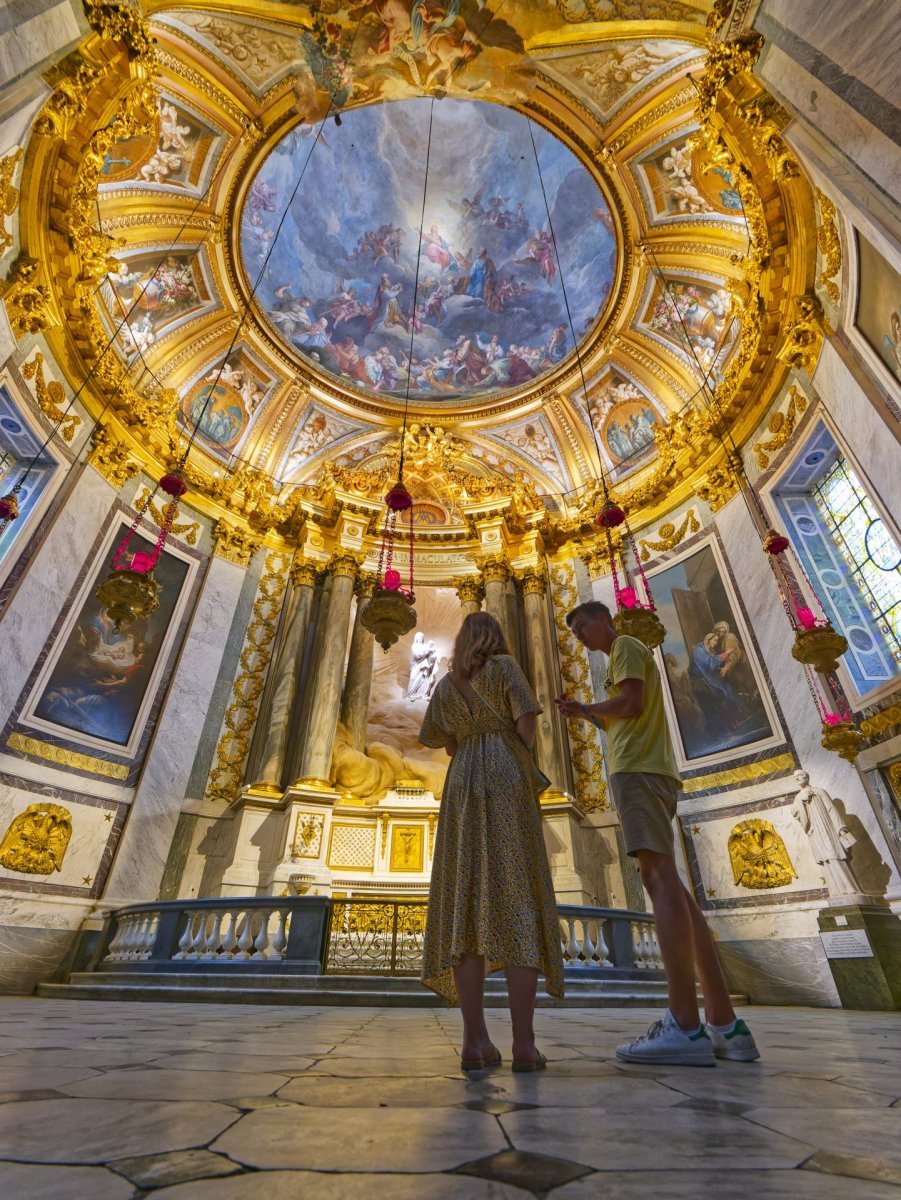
867	547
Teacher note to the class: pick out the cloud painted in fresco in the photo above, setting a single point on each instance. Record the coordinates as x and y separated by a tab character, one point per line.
354	218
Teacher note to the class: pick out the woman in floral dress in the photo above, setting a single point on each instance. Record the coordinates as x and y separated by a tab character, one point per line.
491	902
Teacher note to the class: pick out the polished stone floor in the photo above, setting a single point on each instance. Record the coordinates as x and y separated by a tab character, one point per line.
113	1101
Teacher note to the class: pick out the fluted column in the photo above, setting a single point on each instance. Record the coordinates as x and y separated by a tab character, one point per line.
276	715
325	681
549	741
358	681
470	592
496	572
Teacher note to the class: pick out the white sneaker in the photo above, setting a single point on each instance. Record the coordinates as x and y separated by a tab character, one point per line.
666	1042
738	1044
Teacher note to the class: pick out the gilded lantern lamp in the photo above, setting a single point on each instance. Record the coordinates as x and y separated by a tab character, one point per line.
130	590
389	613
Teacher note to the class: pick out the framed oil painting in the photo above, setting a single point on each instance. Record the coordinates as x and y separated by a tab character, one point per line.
97	686
716	692
877	307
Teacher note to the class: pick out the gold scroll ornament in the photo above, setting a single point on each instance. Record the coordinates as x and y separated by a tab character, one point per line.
759	857
36	841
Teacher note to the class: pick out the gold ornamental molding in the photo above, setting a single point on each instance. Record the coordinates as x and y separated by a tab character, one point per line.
9	195
27	297
187	531
51	397
749	773
879	722
830	246
781	426
234	544
805	333
66	758
112	457
669	535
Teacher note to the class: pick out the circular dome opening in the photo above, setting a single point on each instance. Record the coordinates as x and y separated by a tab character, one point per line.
494	273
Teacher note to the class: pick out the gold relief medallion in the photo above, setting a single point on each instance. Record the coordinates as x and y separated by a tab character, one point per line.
759	856
36	841
407	848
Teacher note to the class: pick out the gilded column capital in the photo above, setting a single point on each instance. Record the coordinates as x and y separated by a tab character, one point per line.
345	563
534	580
234	544
495	569
304	573
111	457
365	583
469	589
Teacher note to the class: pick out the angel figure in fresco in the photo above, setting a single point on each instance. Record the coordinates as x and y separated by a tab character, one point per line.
540	249
314	436
172	135
161	165
262	200
385	308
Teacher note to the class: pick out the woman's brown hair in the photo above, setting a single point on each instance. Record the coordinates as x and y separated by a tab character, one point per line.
480	638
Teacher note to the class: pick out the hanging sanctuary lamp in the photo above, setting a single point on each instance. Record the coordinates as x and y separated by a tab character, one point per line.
388	614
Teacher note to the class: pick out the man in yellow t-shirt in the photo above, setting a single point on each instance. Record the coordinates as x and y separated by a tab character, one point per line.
645	784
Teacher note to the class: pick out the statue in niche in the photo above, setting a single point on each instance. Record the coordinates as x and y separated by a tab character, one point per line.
36	841
828	834
759	856
423	669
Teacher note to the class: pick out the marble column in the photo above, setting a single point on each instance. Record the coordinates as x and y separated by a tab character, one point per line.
276	711
358	681
496	573
470	592
550	740
326	678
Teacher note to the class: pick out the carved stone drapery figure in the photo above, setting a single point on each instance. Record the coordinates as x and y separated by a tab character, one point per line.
829	836
423	669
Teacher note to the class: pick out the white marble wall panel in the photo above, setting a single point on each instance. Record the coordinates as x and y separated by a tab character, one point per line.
861	429
82	860
141	859
27	622
754	580
36	935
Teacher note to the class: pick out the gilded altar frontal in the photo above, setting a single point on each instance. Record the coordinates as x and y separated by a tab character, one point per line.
337	339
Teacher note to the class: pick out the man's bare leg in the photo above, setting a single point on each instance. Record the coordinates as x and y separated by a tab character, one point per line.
717	1005
674	923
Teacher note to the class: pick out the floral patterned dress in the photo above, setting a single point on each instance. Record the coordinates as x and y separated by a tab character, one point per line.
491	890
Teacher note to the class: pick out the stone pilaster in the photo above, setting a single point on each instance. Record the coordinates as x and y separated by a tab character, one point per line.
496	572
358	681
550	738
275	713
471	594
325	683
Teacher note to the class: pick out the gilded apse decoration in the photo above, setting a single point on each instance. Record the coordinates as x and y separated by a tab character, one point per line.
669	535
766	119
122	21
68	101
244	704
830	246
111	457
307	835
764	768
591	787
36	841
724	61
234	544
9	195
578	11
51	398
759	856
804	334
717	488
407	847
28	299
781	426
35	748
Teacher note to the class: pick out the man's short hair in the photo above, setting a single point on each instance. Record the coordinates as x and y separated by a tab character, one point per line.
592	609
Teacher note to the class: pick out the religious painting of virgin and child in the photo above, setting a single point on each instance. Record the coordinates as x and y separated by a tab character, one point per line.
101	681
715	688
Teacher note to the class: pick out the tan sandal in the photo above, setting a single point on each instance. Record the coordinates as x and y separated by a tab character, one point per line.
538	1063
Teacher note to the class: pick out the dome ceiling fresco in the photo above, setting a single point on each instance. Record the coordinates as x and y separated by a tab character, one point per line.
261	271
478	300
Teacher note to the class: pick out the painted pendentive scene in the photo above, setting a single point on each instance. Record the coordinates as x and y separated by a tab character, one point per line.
154	292
878	313
173	154
624	419
489	311
690	313
99	682
676	182
225	399
707	660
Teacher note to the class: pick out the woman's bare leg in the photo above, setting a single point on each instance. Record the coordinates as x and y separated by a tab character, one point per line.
522	986
469	976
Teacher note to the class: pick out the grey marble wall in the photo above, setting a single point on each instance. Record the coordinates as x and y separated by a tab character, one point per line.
31	955
779	971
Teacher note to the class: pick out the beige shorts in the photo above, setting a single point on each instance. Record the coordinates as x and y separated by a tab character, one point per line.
646	806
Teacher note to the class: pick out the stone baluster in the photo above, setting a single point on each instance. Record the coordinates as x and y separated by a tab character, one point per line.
496	572
358	681
325	684
275	715
471	593
550	736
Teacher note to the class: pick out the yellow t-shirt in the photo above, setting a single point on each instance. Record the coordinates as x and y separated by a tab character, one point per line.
639	743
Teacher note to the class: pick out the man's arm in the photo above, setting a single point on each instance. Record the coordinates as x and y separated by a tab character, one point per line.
629	703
